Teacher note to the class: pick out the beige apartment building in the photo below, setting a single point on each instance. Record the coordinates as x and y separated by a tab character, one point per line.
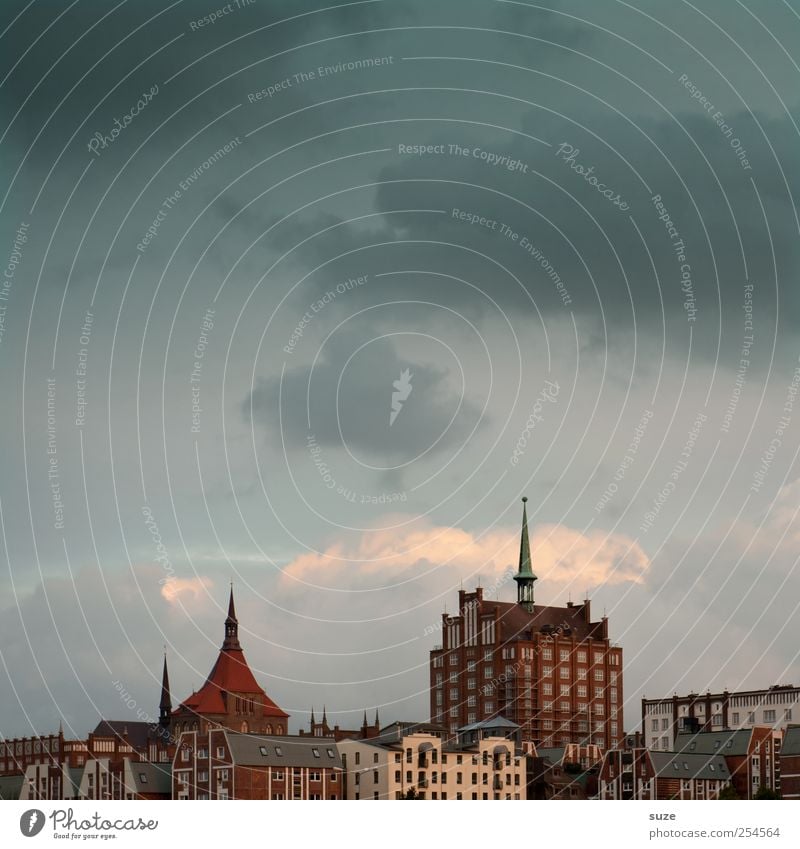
421	765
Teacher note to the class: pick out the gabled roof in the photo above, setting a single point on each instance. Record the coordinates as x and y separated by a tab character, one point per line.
138	733
496	722
554	754
731	743
151	778
287	751
791	741
10	786
688	765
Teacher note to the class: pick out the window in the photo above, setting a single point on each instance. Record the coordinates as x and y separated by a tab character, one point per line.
471	701
598	694
331	754
769	716
375	777
488	671
220	751
202	753
582	691
201	776
598	657
470	683
735	718
487	654
439	678
581	674
279	752
547	671
564	672
751	718
547	688
547	654
598	675
358	758
453	660
184	755
613	694
787	715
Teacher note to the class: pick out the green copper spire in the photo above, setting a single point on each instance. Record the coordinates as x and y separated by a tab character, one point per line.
525	576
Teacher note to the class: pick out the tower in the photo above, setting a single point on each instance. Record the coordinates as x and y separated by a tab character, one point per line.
525	577
165	705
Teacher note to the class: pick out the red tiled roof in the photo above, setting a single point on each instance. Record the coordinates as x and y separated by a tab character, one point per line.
230	674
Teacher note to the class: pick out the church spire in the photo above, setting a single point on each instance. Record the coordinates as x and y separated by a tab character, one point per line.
525	577
165	705
377	720
231	627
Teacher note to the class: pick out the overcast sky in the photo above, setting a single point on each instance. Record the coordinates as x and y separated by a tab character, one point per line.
564	235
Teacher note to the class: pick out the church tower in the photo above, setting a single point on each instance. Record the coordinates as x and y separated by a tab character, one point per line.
525	577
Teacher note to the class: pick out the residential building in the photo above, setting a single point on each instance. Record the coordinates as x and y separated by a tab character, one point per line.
551	670
644	774
662	719
223	764
564	772
421	765
790	763
751	755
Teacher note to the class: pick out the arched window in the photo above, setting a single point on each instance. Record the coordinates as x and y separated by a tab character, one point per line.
280	729
269	729
245	728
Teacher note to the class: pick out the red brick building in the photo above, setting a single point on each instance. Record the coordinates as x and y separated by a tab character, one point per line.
552	670
231	697
644	774
751	755
223	764
790	763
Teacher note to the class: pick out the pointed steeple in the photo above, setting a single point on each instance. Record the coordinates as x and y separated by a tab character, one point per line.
231	628
165	705
525	577
324	715
364	724
312	718
377	720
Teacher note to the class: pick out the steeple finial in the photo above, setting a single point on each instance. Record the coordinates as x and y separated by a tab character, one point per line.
377	720
165	705
324	715
312	717
231	627
525	577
